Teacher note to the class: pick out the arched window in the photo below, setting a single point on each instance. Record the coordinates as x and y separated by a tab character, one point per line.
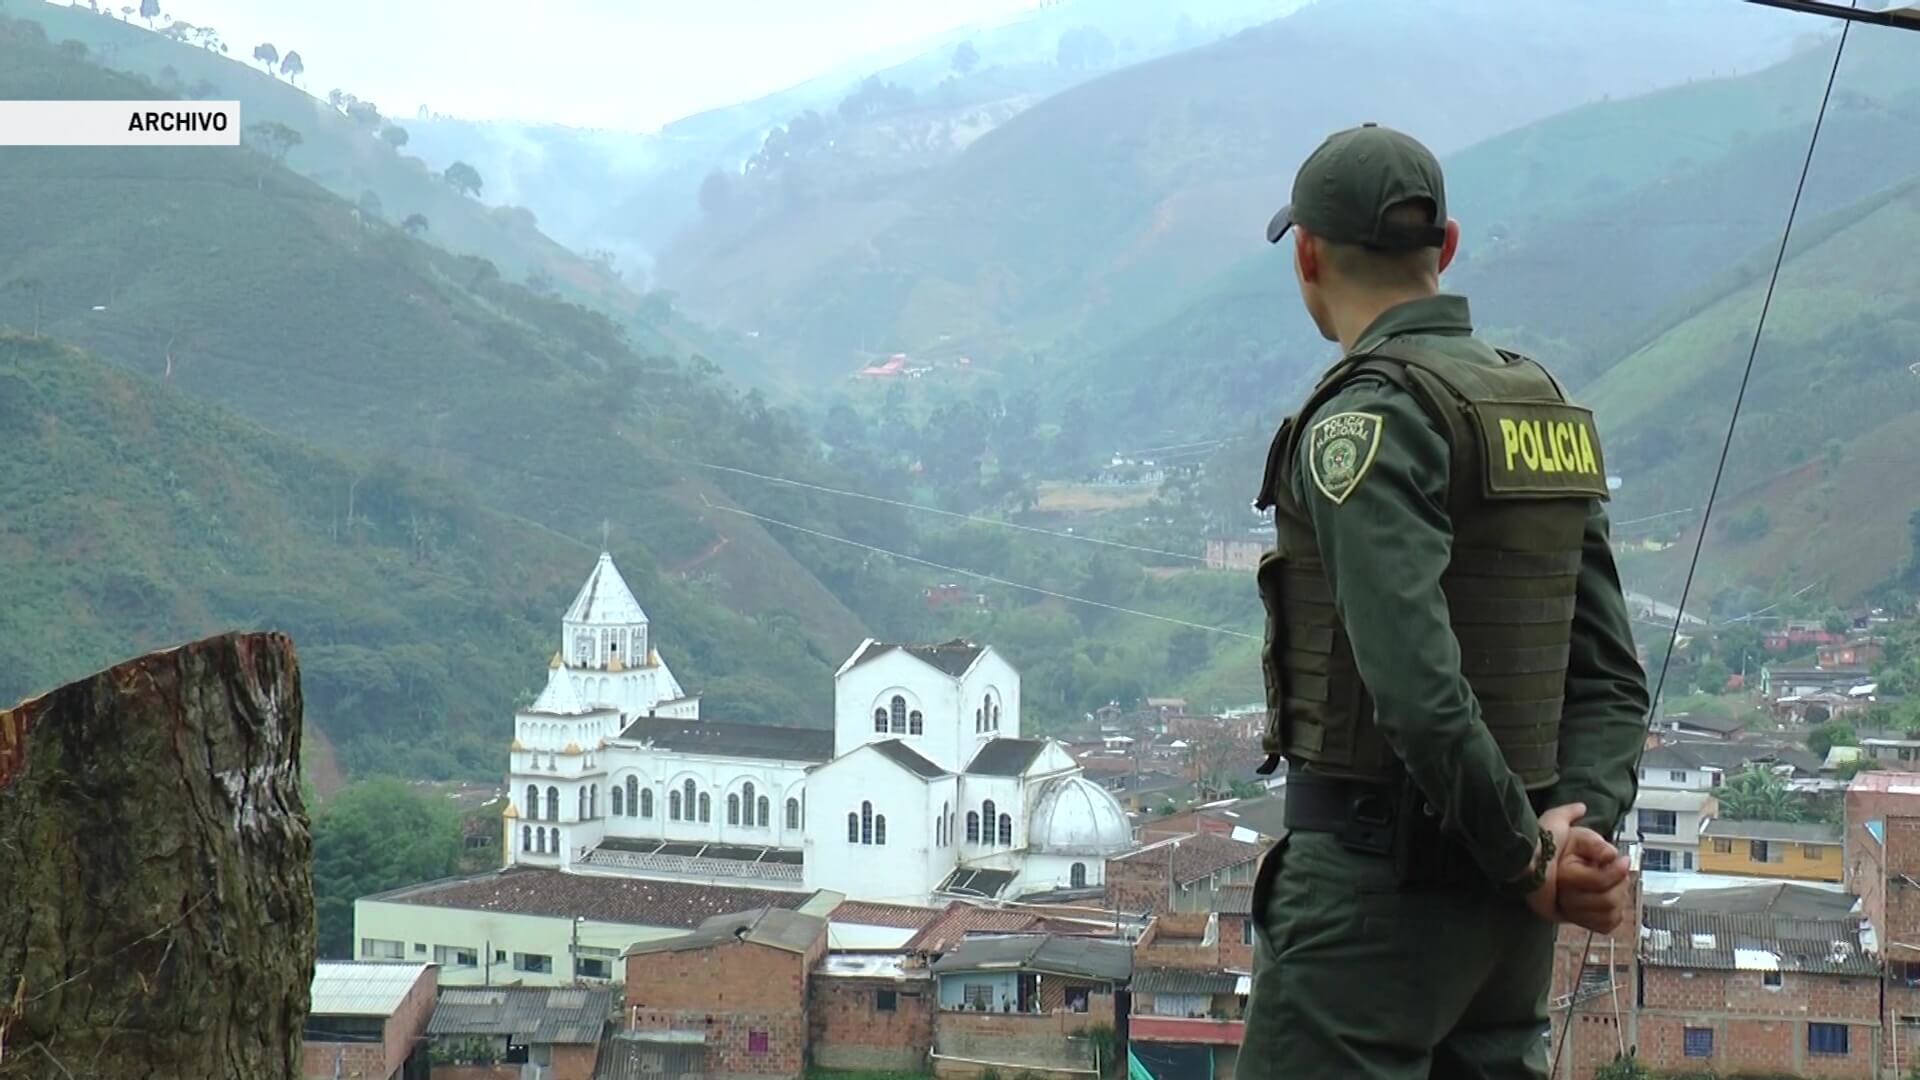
533	802
673	805
853	827
986	821
764	806
706	808
939	827
880	829
916	724
880	721
633	798
979	721
646	802
866	823
1006	830
946	824
733	809
526	838
973	826
899	715
582	808
994	711
540	837
553	840
1079	875
746	800
553	804
619	806
793	813
687	798
593	801
986	709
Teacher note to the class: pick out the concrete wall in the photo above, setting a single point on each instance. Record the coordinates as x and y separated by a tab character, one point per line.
1053	1044
487	933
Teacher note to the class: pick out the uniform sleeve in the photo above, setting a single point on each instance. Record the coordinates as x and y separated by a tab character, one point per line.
1605	720
1386	539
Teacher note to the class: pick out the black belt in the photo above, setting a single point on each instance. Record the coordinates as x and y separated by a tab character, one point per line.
1361	814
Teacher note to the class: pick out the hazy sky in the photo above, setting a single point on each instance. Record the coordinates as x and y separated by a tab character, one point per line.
595	63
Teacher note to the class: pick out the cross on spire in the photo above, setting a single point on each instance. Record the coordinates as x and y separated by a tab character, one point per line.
606	530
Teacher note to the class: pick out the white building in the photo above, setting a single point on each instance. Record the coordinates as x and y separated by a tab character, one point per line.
614	771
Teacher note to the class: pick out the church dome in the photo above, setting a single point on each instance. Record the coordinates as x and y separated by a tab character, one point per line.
1075	816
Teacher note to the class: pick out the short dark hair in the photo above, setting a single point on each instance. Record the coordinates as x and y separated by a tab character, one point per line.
1374	267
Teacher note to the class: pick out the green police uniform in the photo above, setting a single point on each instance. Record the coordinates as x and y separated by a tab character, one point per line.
1448	655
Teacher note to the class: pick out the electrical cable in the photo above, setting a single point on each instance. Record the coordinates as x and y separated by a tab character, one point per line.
1719	472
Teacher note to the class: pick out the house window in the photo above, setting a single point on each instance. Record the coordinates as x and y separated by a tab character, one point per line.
382	949
1827	1039
986	822
733	809
1723	847
793	813
673	805
1246	932
756	1042
1686	860
1657	860
706	808
977	995
880	829
499	956
646	803
973	827
1678	776
533	802
553	804
1812	851
1658	823
619	806
526	838
1698	1042
880	721
1770	978
592	962
633	798
886	1000
1078	875
765	807
866	823
453	956
1006	830
853	827
686	798
899	715
916	724
1077	999
1762	851
533	963
419	949
746	800
540	841
1180	1004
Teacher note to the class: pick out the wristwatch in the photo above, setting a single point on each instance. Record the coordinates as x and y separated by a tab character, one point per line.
1536	876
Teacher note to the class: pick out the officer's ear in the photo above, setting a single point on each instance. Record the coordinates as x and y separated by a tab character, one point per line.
1306	255
1450	244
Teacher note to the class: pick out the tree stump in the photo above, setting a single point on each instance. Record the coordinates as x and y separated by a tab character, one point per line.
156	892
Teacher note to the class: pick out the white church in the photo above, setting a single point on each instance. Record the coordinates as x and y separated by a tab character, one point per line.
923	789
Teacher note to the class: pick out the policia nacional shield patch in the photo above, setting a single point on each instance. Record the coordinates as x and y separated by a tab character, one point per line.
1340	450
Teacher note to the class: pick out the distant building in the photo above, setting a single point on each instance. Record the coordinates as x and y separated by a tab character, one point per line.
1853	654
1772	849
1667	824
556	1030
367	1020
1201	865
1235	552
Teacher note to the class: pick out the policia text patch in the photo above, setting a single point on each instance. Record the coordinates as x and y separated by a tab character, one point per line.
1340	450
1540	448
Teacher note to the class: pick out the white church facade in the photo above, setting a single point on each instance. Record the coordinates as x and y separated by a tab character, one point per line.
922	788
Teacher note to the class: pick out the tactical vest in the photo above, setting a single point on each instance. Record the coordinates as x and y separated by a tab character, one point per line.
1524	467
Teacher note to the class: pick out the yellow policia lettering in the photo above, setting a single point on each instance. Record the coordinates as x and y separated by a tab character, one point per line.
1548	446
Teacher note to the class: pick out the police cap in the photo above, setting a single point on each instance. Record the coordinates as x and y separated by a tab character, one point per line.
1344	189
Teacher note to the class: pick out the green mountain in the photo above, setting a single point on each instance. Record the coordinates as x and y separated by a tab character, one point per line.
230	280
1084	217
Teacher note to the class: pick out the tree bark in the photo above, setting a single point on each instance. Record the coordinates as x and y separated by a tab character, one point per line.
156	893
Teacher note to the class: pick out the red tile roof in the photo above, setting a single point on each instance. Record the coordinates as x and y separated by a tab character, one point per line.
1177	1029
895	915
961	919
1197	856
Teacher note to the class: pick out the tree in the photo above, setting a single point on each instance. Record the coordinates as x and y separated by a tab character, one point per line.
292	66
395	136
267	55
337	98
149	10
364	113
74	48
275	139
1623	1068
1759	795
1187	652
375	835
415	224
965	57
369	204
1750	526
32	287
464	178
716	192
1829	735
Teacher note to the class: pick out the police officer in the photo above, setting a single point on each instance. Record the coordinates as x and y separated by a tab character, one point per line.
1450	671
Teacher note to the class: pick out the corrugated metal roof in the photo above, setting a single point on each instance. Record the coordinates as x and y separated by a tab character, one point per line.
358	988
1091	958
1183	981
1806	832
526	1014
1720	942
1234	900
649	1055
776	928
1005	757
1677	801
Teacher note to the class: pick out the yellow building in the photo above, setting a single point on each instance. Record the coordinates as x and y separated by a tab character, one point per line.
1773	849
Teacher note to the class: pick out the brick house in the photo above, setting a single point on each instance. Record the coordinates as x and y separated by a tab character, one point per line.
1180	874
365	1021
1882	846
1234	552
494	1032
741	980
1186	941
1593	993
1030	973
1234	905
871	1012
1758	993
1852	654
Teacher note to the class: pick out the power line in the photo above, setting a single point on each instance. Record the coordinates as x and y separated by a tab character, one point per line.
977	519
1726	448
977	574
